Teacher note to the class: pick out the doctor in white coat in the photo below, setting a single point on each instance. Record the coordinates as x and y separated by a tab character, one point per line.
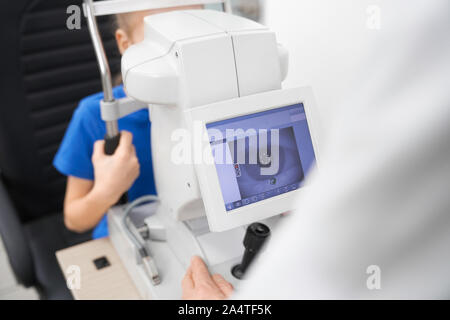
376	221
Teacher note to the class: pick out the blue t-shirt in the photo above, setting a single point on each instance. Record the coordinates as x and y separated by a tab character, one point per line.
74	155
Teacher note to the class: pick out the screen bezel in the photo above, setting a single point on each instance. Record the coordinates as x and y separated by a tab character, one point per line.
218	218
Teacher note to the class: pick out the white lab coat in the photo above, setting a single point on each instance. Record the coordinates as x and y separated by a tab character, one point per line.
381	199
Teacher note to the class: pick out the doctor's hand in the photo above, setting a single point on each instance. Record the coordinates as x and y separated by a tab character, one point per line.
198	284
114	174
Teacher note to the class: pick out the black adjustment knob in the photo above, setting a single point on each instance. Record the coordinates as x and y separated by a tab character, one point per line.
255	236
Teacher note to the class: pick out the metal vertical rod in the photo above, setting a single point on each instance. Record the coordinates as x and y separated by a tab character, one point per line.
112	128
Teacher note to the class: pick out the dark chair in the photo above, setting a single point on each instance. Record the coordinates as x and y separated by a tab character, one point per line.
45	69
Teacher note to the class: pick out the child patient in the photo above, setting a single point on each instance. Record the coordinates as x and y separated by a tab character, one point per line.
96	181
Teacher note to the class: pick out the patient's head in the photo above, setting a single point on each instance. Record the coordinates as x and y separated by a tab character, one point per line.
130	26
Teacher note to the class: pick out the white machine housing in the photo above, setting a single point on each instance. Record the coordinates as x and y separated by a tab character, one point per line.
190	59
200	66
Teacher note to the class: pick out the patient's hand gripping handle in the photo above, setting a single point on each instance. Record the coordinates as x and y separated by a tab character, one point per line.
111	144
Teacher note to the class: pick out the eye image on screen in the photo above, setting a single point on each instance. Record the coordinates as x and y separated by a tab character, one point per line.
262	155
286	168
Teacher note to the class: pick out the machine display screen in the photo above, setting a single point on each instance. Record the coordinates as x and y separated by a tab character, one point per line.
261	155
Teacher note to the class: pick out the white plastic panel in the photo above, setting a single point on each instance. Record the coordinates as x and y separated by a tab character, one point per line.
226	23
219	247
167	28
257	62
140	53
208	72
156	74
